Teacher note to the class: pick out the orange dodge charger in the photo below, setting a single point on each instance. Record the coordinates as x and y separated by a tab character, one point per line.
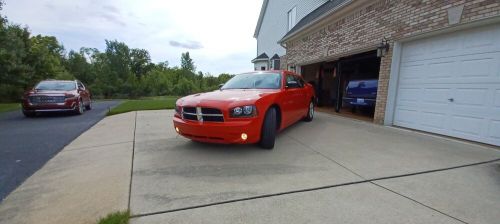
249	108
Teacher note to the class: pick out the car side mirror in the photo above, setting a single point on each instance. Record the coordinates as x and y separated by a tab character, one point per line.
291	84
221	85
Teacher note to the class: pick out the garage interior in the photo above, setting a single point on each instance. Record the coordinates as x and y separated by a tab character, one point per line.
331	78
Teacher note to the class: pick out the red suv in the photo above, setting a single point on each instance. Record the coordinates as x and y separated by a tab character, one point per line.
56	95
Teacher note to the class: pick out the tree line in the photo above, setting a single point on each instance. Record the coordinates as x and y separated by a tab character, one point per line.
117	72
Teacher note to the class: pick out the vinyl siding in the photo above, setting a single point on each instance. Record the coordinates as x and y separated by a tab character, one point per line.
275	23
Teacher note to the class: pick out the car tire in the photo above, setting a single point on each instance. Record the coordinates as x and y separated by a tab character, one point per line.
29	113
89	106
268	133
310	112
79	108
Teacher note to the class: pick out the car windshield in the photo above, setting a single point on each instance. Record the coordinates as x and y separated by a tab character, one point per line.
54	85
254	81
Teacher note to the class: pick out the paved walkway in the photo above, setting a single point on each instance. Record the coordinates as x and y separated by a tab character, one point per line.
332	170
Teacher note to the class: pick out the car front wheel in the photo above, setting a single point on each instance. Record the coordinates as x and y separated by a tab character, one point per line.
268	133
79	108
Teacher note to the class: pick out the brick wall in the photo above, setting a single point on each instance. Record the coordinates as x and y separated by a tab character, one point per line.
365	27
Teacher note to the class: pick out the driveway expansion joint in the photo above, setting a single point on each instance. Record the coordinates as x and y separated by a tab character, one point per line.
132	164
316	189
93	147
418	202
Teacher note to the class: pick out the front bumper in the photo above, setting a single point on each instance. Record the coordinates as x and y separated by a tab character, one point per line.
227	132
68	105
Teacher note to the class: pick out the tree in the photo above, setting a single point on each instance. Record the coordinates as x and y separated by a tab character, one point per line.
45	55
77	64
140	62
187	63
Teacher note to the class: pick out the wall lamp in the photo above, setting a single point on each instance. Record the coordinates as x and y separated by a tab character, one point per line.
383	48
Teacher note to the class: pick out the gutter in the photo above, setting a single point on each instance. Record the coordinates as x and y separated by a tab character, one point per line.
338	7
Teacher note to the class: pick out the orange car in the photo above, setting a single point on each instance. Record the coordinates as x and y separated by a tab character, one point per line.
249	108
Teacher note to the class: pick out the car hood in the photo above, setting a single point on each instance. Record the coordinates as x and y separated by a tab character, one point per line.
225	97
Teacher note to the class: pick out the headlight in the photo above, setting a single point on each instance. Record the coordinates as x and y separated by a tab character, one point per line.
244	111
69	95
178	109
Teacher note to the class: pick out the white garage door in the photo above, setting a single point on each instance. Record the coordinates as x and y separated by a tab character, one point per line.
450	85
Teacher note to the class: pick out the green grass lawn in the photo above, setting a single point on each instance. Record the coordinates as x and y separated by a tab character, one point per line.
4	107
149	103
116	218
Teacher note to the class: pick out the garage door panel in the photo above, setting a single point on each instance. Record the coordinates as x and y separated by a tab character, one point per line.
450	84
405	117
412	71
473	97
496	98
482	39
479	66
444	69
409	95
467	125
494	130
433	119
436	95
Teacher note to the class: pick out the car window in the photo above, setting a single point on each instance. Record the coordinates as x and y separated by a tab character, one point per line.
254	81
293	81
80	85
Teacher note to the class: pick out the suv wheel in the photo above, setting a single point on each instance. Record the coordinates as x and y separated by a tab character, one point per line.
268	133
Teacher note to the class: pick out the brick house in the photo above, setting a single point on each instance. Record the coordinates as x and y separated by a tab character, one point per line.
437	62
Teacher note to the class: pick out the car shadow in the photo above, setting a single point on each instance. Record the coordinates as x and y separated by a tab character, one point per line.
53	114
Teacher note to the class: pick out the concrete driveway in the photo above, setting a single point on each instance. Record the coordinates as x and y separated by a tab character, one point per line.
330	170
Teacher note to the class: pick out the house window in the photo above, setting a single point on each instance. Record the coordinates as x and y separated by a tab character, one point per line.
292	18
275	64
263	68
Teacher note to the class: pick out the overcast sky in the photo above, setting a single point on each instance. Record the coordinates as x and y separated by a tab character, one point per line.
217	33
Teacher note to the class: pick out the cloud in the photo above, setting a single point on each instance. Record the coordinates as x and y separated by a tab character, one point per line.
111	9
112	19
188	44
166	28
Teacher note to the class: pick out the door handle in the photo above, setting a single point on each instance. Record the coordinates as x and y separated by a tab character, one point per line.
451	100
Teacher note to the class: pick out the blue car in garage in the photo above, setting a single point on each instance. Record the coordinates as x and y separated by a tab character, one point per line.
361	94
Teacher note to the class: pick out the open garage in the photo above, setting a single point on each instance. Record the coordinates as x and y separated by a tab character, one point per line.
346	86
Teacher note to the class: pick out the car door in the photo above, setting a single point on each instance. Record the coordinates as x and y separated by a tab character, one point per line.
304	98
292	101
84	94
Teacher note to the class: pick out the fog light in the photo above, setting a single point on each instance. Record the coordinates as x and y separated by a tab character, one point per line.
244	136
177	129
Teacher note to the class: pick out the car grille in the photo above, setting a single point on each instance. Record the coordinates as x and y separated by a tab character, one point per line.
203	114
46	99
